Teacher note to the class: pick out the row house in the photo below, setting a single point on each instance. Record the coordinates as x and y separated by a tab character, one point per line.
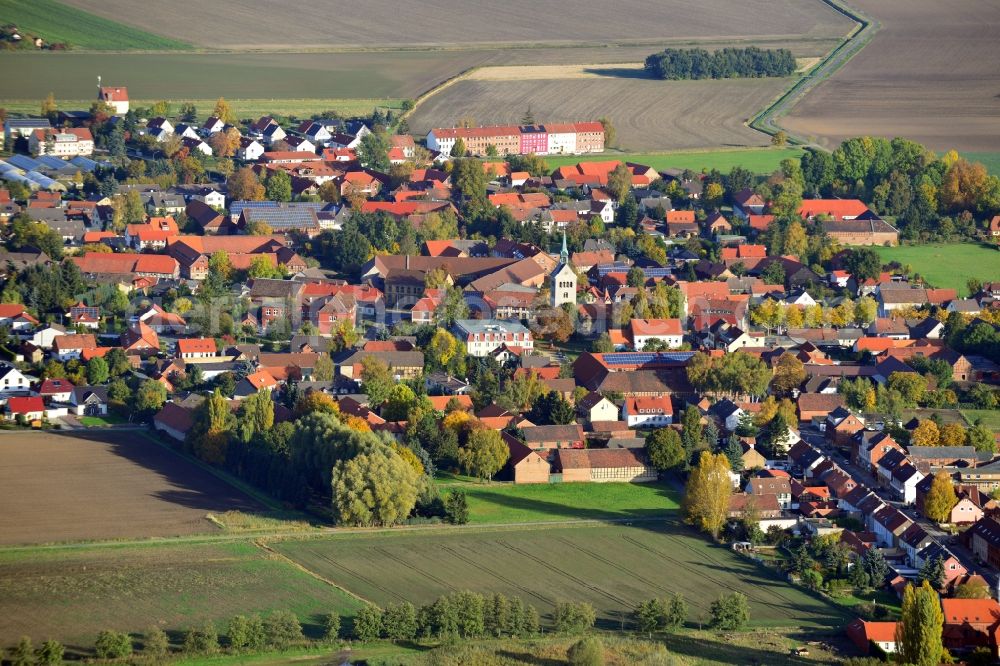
585	137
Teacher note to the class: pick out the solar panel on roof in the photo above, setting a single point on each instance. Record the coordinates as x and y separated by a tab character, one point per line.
644	358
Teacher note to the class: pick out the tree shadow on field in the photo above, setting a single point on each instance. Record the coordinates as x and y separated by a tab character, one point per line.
181	481
727	652
563	511
620	72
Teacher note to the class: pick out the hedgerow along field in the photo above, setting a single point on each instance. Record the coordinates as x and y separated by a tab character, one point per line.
71	594
75	486
612	567
58	22
947	265
237	24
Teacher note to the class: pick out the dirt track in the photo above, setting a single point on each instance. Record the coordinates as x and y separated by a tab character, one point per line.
67	487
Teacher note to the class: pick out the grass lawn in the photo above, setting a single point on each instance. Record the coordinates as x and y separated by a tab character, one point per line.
497	503
991	160
101	421
990	417
58	22
947	265
758	160
613	567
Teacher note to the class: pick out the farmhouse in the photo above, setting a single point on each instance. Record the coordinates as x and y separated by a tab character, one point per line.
63	142
604	465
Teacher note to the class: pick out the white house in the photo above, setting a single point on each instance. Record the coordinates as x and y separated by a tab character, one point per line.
65	142
483	336
904	481
667	331
196	144
13	380
250	150
186	131
800	298
15	318
115	96
648	412
562	138
44	338
595	407
212	126
210	197
273	134
89	400
728	413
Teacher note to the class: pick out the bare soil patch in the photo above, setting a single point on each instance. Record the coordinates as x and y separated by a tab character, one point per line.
252	24
932	74
76	486
648	114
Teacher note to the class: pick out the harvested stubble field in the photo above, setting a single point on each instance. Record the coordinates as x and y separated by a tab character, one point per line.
250	24
88	486
612	567
930	74
72	594
648	114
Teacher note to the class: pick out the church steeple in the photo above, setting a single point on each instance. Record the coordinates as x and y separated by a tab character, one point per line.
564	255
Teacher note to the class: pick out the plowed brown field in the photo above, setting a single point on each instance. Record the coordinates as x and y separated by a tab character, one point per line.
265	24
932	74
108	485
648	114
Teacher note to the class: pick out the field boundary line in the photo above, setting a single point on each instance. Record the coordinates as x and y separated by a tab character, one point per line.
306	570
766	120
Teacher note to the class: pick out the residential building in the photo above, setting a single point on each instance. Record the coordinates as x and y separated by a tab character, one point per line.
647	412
116	97
483	336
63	142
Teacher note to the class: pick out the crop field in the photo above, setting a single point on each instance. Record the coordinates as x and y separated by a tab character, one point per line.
757	160
947	265
648	114
930	74
612	567
509	503
57	22
238	24
103	485
990	160
72	594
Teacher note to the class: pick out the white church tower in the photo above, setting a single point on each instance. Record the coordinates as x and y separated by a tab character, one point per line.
563	280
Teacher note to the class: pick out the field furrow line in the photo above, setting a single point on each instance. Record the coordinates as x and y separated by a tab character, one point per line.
494	574
751	592
604	560
407	565
562	572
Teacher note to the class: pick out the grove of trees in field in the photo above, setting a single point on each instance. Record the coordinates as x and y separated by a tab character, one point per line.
751	62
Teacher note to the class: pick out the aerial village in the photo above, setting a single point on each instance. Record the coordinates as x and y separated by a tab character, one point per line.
608	321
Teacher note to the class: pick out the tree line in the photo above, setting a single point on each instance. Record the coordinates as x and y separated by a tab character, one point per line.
751	62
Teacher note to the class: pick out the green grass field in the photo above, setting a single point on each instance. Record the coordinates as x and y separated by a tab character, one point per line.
758	160
497	503
990	417
947	265
611	567
71	594
57	22
991	160
101	421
